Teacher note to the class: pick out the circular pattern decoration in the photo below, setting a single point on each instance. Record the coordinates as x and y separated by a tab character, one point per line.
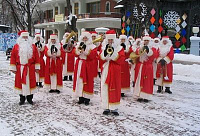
170	19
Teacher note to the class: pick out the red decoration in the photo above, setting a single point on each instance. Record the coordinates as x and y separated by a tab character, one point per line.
160	29
160	21
177	44
152	35
123	24
184	40
152	20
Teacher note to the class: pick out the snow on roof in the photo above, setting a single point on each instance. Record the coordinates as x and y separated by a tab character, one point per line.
119	6
119	1
194	38
4	26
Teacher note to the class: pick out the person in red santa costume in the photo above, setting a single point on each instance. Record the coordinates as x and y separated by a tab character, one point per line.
94	36
131	40
83	83
39	43
101	33
113	56
143	89
68	57
136	44
125	69
24	63
164	72
53	71
156	44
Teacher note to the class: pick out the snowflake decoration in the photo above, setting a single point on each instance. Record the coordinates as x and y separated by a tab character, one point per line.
135	11
144	9
140	16
170	19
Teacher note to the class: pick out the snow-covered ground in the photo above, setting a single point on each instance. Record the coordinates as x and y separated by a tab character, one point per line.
57	114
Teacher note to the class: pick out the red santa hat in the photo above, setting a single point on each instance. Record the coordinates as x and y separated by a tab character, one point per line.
53	36
122	37
93	33
146	38
131	38
156	39
23	33
86	34
111	34
165	38
37	35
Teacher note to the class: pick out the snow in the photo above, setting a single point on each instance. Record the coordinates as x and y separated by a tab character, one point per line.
118	6
194	38
187	57
58	114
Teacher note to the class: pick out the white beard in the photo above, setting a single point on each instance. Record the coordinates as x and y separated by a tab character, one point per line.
156	45
144	57
164	50
57	45
25	51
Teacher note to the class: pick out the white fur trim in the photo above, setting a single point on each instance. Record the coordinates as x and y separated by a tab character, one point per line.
12	67
167	59
150	52
37	66
24	34
158	59
53	36
146	38
110	36
123	37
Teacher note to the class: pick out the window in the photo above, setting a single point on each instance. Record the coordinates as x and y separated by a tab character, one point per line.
56	10
51	14
93	7
76	8
107	6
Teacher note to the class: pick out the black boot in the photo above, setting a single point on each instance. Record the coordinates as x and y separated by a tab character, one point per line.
70	78
81	100
159	89
122	95
133	84
40	84
154	81
30	99
57	91
146	101
65	78
22	99
37	83
167	90
106	112
139	99
87	101
99	73
51	91
114	112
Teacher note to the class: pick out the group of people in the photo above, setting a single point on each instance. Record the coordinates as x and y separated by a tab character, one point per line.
119	63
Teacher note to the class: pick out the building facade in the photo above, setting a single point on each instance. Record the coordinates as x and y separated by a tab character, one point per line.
174	18
90	15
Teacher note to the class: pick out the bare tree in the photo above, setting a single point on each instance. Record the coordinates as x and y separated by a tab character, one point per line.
22	12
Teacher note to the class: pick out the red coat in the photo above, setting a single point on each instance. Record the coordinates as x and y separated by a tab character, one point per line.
70	60
168	70
87	71
146	80
42	63
53	66
16	66
125	71
113	79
